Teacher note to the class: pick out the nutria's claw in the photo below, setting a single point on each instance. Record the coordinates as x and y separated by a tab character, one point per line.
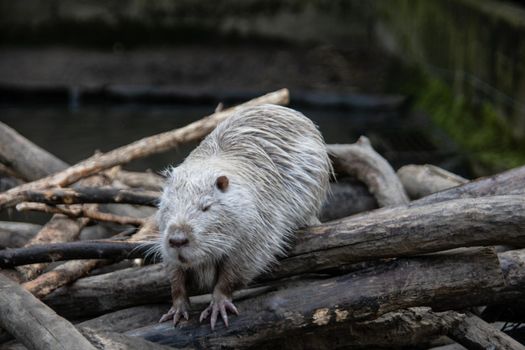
221	306
176	313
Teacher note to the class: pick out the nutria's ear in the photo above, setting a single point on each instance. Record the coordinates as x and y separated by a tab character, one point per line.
222	183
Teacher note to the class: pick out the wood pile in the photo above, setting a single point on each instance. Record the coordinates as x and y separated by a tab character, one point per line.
419	258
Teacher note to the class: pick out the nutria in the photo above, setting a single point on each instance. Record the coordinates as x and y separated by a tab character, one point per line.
231	207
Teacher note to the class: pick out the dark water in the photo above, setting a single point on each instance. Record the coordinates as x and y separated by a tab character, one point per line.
75	134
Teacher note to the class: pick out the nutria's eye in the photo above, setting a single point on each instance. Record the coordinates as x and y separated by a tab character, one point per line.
206	207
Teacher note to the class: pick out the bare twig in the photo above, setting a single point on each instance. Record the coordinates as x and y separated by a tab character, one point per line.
78	211
91	195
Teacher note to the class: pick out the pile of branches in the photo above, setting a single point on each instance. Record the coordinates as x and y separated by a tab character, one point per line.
417	258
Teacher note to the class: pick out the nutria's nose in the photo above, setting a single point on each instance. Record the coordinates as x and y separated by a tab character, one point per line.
177	242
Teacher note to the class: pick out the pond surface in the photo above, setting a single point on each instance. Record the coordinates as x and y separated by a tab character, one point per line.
75	134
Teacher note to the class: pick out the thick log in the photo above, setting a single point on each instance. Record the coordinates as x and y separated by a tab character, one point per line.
410	328
363	162
105	340
422	180
401	328
476	334
439	281
79	195
138	149
16	234
61	275
404	231
26	158
33	323
508	182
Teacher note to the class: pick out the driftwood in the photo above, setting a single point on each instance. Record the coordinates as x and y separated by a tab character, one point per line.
385	233
148	181
388	233
91	195
110	340
508	182
138	149
363	162
474	333
80	211
407	327
61	275
58	229
27	159
33	323
441	280
422	180
103	249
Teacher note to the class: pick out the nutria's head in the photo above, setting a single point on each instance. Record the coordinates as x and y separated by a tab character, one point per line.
197	214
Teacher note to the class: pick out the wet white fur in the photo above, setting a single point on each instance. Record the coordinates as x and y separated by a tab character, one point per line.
278	171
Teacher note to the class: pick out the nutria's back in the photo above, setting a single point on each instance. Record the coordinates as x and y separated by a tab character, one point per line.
279	153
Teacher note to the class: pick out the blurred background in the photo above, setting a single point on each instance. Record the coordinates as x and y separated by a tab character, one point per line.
434	81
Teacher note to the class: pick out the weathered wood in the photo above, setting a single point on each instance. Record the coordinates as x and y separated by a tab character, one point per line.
80	211
476	334
422	180
16	234
26	158
403	231
138	149
61	275
91	195
101	249
72	270
363	162
105	340
147	180
61	229
508	182
440	281
409	328
33	323
388	233
58	229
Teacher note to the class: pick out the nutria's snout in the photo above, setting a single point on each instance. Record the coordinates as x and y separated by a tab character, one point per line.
177	242
178	235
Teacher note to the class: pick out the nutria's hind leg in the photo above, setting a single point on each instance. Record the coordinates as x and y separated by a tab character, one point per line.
221	301
181	303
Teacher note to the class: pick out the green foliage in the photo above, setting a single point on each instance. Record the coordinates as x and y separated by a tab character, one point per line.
478	128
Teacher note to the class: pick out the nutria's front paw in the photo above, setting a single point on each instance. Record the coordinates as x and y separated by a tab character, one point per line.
220	303
179	309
